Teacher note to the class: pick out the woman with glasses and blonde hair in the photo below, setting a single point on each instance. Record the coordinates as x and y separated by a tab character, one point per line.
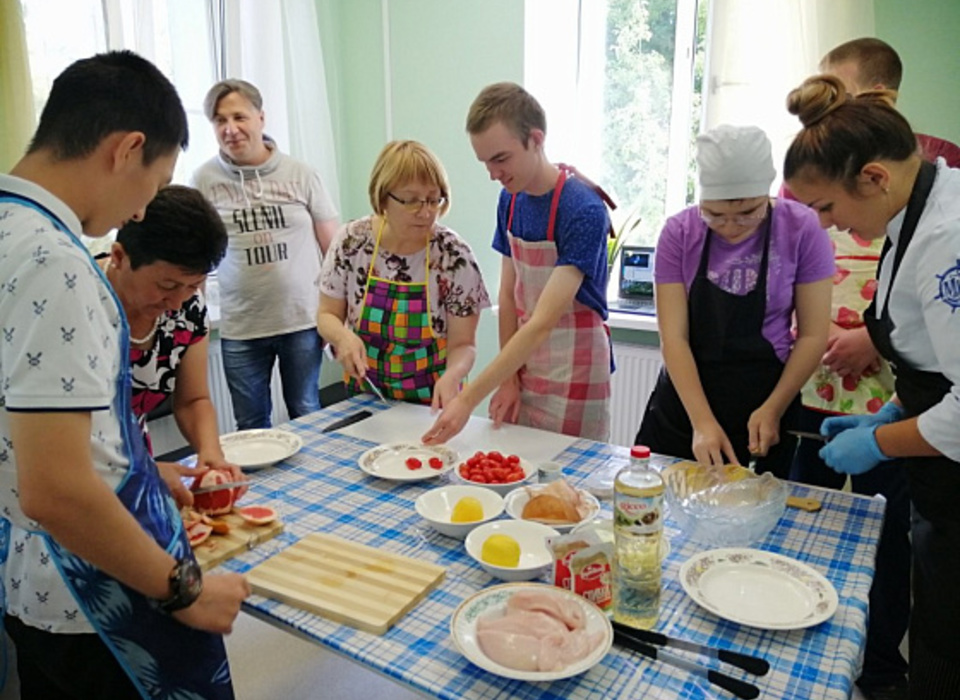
401	294
730	273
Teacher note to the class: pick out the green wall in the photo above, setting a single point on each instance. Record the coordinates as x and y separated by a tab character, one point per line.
926	34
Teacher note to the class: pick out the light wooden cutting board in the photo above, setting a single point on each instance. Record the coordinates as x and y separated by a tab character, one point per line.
350	583
216	549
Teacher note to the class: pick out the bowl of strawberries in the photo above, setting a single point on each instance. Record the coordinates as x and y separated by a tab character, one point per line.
502	473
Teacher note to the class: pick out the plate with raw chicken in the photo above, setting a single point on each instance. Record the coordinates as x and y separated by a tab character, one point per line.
556	504
531	632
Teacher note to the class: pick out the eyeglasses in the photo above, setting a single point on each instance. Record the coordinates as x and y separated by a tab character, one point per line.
415	205
738	219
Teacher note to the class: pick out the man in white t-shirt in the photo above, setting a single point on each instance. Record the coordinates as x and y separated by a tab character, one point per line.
101	593
280	220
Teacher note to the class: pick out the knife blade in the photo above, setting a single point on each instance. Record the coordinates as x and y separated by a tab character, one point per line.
349	420
807	435
376	390
221	487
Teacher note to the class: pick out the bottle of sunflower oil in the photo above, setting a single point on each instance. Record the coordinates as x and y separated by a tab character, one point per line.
638	526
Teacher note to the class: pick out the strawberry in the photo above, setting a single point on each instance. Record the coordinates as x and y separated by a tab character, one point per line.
825	392
847	317
840	274
874	404
868	290
850	383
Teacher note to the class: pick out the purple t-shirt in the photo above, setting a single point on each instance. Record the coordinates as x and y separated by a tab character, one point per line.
800	252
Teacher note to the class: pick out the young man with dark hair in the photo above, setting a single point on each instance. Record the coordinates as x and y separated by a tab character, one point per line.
103	597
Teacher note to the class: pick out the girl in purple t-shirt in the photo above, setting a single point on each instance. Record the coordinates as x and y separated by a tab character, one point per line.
730	274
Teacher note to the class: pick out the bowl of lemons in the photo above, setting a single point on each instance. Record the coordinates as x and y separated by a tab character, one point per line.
511	550
455	510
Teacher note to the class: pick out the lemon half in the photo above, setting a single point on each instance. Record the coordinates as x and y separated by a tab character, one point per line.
467	510
501	550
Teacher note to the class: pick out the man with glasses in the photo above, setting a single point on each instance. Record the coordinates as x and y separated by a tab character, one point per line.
280	220
730	274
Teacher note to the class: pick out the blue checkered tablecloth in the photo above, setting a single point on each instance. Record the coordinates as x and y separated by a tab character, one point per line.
322	489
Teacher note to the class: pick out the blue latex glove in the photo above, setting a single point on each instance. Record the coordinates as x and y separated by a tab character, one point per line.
890	413
854	451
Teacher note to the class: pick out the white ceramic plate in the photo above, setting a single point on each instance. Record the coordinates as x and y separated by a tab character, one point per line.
515	501
759	589
256	449
390	461
491	601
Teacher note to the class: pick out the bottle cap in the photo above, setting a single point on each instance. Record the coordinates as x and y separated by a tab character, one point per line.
640	452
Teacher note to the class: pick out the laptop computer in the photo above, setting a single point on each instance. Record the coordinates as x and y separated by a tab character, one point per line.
635	293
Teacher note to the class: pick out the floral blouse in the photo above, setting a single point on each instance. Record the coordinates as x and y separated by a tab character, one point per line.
155	369
456	285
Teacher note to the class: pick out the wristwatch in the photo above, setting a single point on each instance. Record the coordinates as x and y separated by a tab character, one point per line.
186	582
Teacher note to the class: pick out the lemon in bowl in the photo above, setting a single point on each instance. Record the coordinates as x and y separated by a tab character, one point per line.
511	550
456	509
501	550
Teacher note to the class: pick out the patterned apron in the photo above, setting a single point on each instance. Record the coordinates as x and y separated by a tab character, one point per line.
404	357
162	657
565	384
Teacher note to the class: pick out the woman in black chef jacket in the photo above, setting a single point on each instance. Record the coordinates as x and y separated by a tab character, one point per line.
856	163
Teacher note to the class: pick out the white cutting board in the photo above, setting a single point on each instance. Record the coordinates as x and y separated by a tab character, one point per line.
406	421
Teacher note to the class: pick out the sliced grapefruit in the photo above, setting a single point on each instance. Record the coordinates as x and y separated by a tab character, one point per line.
257	515
198	532
214	502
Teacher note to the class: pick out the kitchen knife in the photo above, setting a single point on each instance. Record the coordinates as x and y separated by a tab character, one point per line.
221	487
349	420
376	391
807	435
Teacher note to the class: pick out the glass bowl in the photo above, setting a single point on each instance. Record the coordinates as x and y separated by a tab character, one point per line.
726	506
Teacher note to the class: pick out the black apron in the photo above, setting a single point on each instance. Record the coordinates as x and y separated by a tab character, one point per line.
934	481
738	369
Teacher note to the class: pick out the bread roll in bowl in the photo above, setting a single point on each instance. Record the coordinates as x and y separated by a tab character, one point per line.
547	508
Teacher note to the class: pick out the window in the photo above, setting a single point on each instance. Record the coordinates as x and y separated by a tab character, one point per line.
621	83
174	34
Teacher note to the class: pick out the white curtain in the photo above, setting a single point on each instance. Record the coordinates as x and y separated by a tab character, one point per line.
276	46
758	50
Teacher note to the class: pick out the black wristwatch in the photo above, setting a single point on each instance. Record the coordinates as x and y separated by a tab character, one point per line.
186	582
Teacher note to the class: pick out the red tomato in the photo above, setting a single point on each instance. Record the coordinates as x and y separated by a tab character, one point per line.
464	471
512	459
496	456
436	463
413	463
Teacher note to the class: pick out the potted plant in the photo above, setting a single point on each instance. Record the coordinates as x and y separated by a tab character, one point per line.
617	238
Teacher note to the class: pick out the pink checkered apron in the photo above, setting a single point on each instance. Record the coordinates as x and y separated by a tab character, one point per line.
565	384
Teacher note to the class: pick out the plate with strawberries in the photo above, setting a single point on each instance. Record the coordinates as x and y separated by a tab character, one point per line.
408	461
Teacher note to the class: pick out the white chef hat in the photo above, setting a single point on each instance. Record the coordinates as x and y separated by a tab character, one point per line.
734	162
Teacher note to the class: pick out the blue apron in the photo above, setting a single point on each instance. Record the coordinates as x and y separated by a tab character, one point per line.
162	657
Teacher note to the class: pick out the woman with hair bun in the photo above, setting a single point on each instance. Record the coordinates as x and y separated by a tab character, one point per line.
856	162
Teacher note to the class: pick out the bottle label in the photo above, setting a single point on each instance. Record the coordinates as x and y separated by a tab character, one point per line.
638	514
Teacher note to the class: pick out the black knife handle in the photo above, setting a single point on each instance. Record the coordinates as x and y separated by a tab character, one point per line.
741	689
349	420
750	664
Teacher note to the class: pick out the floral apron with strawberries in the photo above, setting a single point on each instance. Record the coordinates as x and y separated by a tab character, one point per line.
404	357
162	657
565	383
854	285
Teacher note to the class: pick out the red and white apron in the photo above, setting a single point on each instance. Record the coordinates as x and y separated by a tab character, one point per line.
565	384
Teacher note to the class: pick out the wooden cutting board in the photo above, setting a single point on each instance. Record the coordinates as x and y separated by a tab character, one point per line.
350	583
243	536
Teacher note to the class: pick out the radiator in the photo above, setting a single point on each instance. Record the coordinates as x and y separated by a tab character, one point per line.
631	385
